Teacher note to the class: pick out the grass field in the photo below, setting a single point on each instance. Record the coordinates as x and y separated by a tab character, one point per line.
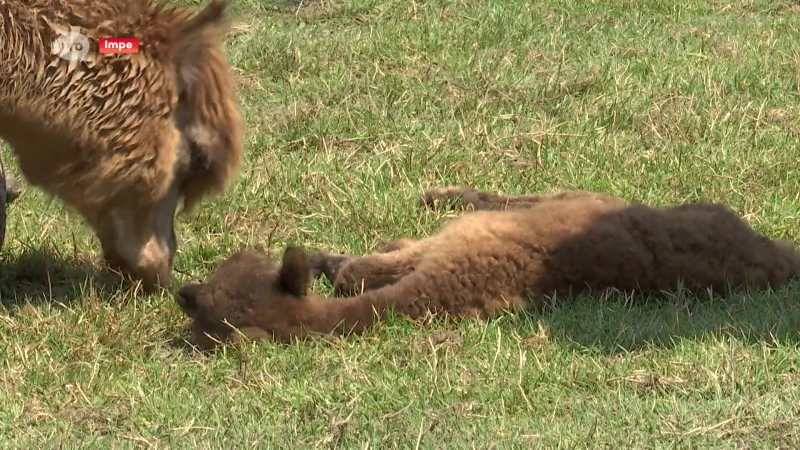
354	107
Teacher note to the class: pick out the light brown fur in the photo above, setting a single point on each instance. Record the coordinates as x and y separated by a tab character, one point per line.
514	253
121	138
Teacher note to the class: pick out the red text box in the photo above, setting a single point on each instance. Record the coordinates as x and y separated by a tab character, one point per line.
119	45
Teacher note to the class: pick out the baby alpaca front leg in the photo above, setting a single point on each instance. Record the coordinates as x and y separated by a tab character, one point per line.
328	264
375	271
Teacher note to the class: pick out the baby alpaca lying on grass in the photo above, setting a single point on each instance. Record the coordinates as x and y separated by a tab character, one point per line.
513	253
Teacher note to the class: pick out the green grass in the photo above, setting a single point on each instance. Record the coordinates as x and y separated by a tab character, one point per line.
354	107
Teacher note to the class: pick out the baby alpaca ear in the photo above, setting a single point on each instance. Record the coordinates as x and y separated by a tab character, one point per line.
294	275
187	297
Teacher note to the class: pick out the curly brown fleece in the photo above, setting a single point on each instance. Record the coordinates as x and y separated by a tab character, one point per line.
121	138
513	252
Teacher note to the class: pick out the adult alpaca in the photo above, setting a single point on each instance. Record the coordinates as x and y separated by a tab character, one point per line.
121	138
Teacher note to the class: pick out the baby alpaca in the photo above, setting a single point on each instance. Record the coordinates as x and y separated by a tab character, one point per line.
513	252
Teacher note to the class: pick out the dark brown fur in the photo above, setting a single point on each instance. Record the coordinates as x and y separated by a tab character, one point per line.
121	138
493	259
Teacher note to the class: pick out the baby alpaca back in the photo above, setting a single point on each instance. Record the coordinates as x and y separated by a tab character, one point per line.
500	258
643	248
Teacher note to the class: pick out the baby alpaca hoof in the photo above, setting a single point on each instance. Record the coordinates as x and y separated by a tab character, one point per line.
328	264
451	194
347	286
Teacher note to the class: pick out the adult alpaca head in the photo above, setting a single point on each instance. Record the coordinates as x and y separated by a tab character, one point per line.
121	138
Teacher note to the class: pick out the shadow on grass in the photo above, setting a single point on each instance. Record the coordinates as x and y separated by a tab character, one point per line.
39	276
182	342
614	325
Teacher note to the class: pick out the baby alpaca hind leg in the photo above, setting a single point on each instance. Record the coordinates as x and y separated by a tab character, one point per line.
398	244
482	200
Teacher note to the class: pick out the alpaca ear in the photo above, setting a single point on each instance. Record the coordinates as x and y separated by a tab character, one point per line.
187	297
208	26
294	275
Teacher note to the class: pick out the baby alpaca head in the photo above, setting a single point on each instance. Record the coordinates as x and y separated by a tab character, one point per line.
251	292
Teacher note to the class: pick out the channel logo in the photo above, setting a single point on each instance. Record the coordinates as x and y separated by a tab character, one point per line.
71	46
119	45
